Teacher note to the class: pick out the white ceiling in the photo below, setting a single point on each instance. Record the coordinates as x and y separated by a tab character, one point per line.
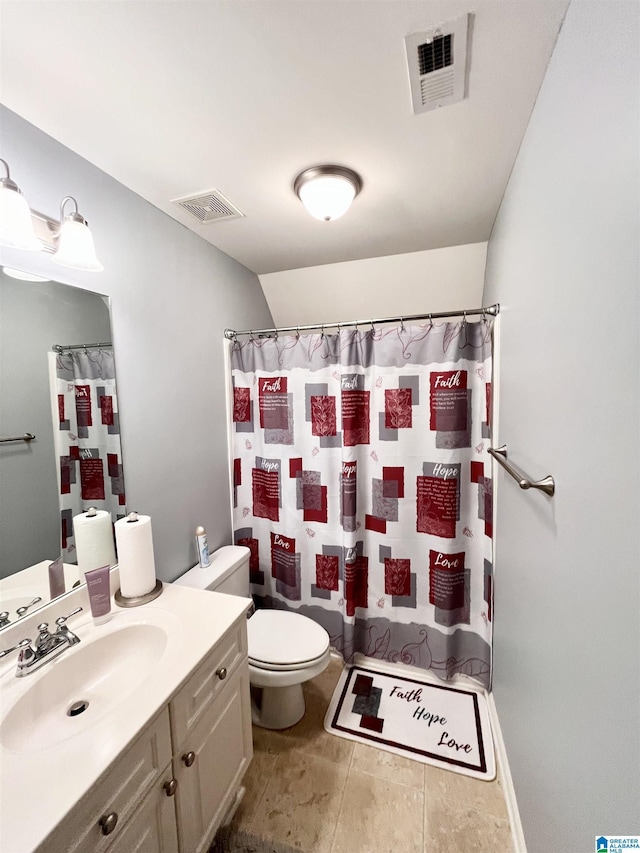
174	98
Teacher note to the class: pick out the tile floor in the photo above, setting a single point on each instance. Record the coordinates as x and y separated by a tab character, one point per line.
311	791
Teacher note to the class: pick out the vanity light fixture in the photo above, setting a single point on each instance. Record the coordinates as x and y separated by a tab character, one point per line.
75	242
16	226
327	191
69	240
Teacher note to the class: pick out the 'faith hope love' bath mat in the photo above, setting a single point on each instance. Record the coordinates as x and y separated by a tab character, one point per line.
432	723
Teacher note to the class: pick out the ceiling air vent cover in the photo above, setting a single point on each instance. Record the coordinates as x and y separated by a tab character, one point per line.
208	206
437	64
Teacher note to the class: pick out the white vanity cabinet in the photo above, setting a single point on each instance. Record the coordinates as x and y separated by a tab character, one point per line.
170	789
211	733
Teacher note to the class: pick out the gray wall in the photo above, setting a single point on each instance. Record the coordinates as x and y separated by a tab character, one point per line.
32	318
172	295
563	261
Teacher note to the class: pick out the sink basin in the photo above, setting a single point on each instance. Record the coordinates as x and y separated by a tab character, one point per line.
75	690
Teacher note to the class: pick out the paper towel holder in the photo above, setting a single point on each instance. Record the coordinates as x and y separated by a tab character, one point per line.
137	600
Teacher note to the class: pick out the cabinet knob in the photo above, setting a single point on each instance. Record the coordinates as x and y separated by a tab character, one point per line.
189	758
108	823
221	673
170	787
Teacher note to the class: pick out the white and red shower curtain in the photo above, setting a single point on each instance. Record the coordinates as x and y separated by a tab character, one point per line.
87	438
362	487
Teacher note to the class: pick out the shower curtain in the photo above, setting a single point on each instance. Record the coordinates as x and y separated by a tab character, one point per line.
362	487
87	437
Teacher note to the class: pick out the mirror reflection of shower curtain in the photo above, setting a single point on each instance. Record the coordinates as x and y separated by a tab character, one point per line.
362	486
87	437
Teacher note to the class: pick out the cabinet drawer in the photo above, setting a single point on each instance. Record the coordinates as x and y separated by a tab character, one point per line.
119	793
207	682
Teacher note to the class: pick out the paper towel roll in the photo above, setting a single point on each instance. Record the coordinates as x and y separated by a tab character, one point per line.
135	555
93	535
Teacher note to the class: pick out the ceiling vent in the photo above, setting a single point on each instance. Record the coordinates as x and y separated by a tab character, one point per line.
437	61
209	206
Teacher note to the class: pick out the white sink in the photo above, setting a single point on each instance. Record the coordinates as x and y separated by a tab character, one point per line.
75	690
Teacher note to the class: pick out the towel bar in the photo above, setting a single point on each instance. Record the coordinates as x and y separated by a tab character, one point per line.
26	437
546	485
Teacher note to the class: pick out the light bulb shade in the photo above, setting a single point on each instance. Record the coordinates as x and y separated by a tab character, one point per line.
16	225
327	191
75	247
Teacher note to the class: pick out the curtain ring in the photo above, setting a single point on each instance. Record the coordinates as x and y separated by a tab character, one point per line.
276	334
401	324
297	333
322	331
373	328
464	318
251	338
430	321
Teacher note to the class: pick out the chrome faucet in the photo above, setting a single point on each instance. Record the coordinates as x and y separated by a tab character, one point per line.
47	647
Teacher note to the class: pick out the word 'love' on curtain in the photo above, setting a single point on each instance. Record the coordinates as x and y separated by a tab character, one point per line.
362	487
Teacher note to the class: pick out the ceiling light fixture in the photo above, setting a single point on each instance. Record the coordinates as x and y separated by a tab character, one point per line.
69	240
327	191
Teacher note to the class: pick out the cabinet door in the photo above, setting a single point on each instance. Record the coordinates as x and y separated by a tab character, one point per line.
218	750
152	828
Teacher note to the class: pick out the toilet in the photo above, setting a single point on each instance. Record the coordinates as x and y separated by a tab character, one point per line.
285	648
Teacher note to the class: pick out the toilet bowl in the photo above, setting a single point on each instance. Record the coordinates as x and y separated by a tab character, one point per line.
285	648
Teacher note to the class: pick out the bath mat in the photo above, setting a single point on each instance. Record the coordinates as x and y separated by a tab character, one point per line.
433	723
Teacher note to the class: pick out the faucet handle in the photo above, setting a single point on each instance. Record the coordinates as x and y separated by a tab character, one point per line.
21	645
22	610
60	621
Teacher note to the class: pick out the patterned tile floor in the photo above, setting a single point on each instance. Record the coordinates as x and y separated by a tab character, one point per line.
314	792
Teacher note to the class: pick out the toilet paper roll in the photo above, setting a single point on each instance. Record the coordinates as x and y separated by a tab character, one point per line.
135	555
93	535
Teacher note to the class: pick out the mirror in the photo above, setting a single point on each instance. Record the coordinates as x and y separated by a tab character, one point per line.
68	402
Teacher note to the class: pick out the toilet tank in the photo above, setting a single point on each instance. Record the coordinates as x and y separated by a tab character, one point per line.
228	572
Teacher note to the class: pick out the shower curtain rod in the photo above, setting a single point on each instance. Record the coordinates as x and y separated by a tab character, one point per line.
230	334
65	347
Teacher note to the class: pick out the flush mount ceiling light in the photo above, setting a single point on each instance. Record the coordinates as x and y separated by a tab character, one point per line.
70	241
327	191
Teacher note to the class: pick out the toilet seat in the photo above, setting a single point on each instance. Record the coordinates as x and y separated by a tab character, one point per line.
274	667
283	641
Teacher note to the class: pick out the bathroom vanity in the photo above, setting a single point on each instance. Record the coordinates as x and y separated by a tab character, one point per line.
156	759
